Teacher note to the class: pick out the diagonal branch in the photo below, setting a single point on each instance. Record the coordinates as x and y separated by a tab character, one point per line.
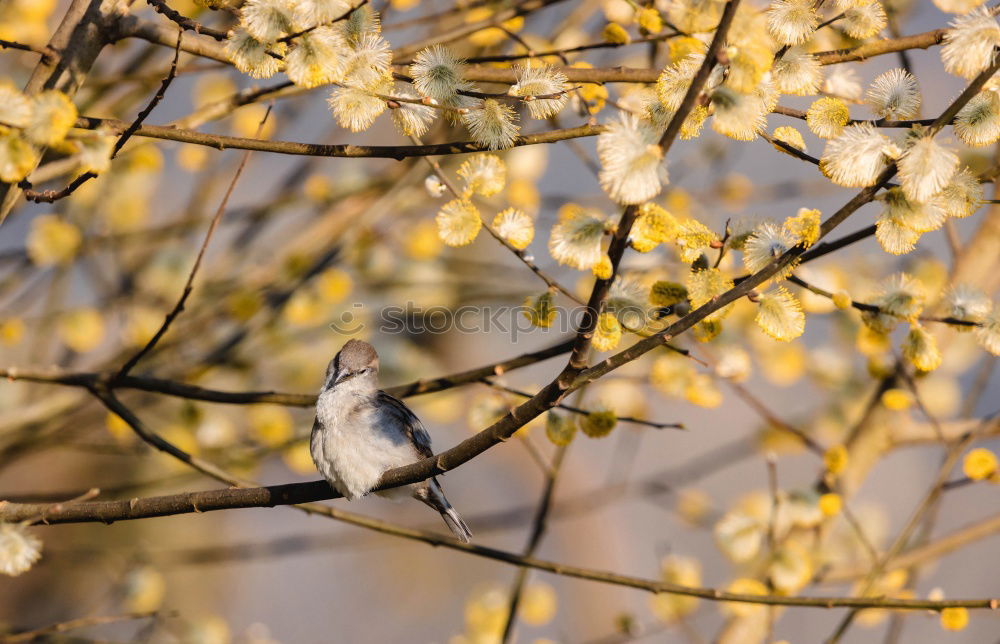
44	52
693	94
619	242
50	196
189	286
185	23
517	252
75	46
551	394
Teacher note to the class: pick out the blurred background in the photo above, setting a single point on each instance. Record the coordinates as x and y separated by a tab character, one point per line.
305	240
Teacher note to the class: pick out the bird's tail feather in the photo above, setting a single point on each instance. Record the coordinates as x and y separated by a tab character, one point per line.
456	525
433	496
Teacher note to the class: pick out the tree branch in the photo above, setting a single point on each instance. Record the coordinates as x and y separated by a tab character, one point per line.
40	634
871	308
77	42
881	47
110	511
41	51
185	23
398	152
925	553
189	285
50	196
111	380
132	27
538	526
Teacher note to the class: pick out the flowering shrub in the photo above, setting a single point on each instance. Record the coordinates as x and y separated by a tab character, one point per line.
553	155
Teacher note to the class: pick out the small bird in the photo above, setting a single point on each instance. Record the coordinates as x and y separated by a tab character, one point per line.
360	432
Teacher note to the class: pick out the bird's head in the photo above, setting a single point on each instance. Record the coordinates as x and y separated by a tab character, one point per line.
355	359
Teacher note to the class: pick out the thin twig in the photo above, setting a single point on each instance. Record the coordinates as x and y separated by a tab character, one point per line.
189	286
520	254
579	410
620	74
193	392
538	526
927	552
398	152
50	196
276	495
72	625
503	58
137	123
927	502
185	23
871	308
41	51
800	114
344	16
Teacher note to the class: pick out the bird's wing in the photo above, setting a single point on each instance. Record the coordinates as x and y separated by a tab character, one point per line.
410	423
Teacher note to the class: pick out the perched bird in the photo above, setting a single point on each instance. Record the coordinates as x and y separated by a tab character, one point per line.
360	432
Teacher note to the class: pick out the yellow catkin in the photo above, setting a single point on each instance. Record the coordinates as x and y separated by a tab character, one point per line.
830	504
614	33
649	20
842	300
665	293
598	424
979	464
835	459
789	136
603	268
897	399
11	331
954	619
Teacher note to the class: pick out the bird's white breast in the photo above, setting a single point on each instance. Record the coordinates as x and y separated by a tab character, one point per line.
352	444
